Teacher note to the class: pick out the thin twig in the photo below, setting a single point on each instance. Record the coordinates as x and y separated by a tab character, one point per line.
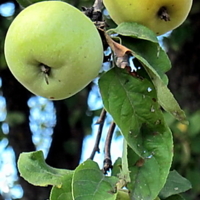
94	12
100	121
107	156
98	5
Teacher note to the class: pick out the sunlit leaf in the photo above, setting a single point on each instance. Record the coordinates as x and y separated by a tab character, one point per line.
63	192
123	195
90	183
135	30
32	168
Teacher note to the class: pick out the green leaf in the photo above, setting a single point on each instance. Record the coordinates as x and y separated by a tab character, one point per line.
149	175
89	183
137	113
135	30
65	191
194	127
175	184
32	168
175	197
123	195
131	101
125	172
166	98
150	55
156	65
116	167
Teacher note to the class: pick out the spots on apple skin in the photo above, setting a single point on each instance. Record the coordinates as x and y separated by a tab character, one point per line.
52	98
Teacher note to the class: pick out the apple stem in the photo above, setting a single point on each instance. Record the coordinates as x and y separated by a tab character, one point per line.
163	14
46	70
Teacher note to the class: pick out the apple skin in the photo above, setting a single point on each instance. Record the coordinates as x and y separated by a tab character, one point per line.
145	12
57	35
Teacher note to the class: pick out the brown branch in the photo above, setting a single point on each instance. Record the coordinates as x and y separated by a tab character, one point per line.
107	157
100	121
98	5
94	12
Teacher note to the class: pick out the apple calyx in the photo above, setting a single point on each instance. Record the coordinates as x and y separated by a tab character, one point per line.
46	71
163	14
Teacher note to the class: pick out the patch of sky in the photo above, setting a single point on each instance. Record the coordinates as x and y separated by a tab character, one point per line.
3	111
95	103
8	174
42	121
7	9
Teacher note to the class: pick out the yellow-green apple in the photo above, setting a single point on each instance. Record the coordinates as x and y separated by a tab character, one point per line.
160	16
53	49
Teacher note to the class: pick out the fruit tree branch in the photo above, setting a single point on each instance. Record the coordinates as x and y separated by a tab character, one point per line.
98	5
107	157
100	121
94	13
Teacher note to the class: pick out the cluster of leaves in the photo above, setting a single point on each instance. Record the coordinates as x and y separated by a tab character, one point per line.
85	182
134	98
136	109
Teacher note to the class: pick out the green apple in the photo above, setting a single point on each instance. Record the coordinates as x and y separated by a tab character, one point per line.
53	49
160	16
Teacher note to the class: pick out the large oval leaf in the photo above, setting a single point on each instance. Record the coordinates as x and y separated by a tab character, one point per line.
132	102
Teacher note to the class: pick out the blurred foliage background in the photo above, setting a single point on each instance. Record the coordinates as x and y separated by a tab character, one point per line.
72	118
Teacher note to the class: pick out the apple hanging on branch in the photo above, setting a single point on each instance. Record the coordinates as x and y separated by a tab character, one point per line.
53	49
160	16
